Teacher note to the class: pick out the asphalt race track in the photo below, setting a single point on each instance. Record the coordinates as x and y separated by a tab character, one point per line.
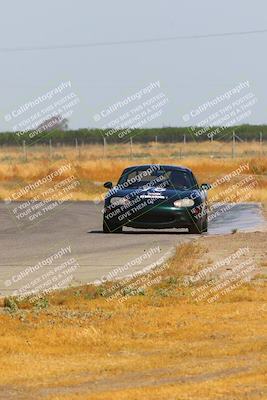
73	230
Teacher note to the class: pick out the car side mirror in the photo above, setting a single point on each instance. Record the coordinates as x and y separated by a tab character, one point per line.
108	185
205	186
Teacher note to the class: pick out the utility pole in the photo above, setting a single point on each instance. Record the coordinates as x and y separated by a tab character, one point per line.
131	146
24	151
211	142
50	149
261	144
77	148
233	145
211	138
104	149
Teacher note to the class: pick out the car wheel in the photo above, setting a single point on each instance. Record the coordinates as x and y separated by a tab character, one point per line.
195	228
108	228
205	225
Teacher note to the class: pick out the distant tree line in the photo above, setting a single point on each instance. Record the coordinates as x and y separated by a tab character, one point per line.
166	134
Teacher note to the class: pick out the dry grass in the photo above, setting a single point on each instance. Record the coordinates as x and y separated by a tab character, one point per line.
161	345
91	168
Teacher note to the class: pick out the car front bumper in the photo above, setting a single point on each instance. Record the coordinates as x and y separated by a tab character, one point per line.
158	217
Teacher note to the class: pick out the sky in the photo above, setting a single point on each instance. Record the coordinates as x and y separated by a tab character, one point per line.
188	72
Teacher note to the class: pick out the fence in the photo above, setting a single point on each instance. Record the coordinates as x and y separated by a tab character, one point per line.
232	146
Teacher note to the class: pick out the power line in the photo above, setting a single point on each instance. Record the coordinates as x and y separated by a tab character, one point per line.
123	42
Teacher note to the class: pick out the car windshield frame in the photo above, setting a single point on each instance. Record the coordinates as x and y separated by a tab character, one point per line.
161	171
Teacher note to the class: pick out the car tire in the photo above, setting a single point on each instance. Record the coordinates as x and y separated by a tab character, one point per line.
108	228
205	225
195	228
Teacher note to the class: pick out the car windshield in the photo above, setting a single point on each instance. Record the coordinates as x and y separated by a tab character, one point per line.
157	177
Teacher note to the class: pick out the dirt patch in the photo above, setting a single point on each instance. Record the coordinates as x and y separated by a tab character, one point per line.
220	247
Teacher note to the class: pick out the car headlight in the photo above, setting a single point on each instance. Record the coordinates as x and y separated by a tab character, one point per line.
119	201
184	203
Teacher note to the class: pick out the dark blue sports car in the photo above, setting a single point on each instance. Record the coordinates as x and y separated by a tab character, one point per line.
156	197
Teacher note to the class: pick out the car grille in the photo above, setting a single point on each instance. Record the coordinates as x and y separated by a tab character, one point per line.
146	218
